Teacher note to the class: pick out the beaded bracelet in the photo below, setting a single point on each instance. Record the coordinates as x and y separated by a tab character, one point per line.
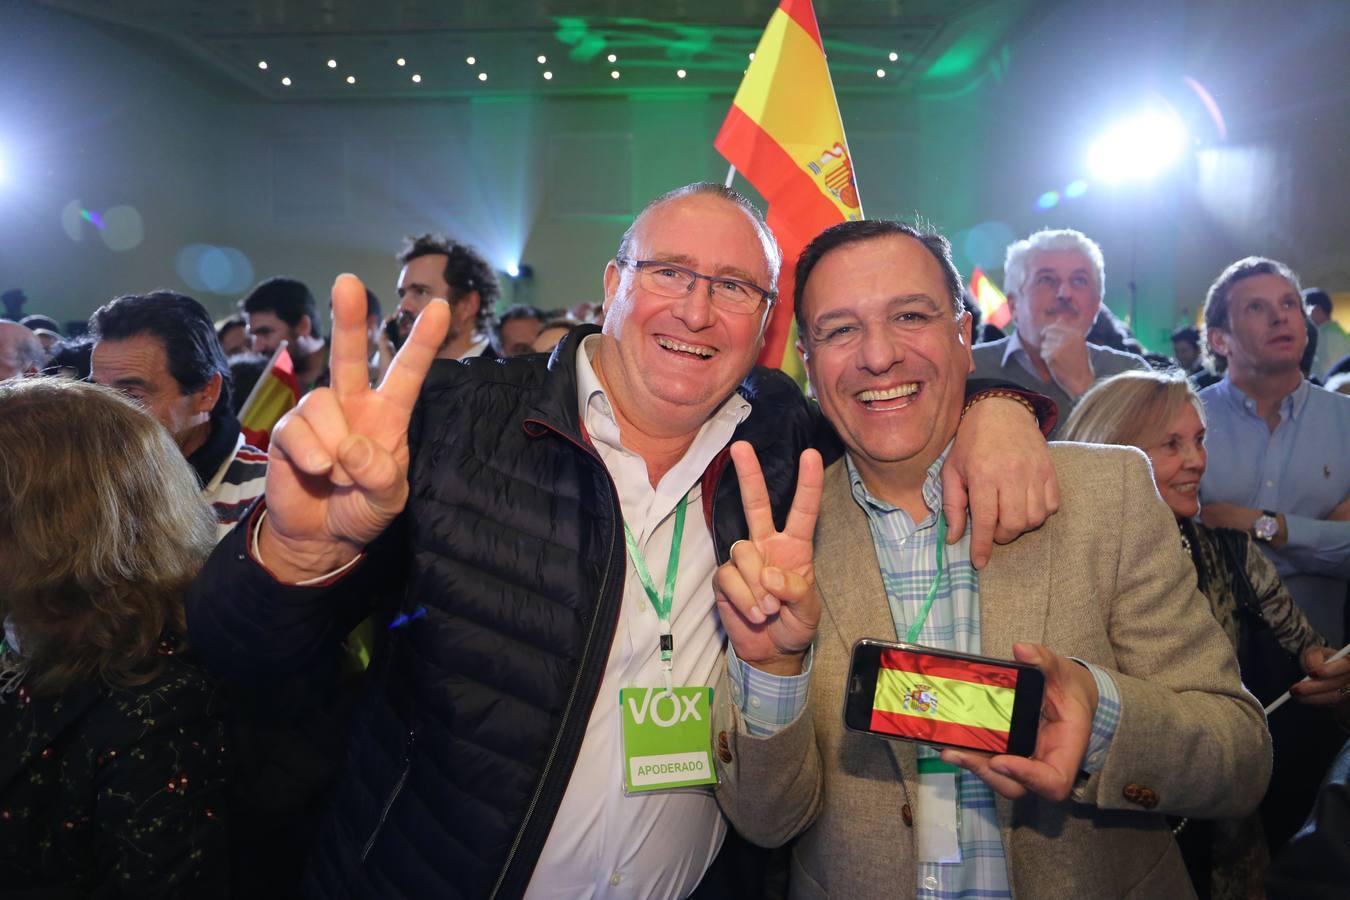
1004	394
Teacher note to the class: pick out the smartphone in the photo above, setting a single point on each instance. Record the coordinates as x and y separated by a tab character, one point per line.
943	698
393	330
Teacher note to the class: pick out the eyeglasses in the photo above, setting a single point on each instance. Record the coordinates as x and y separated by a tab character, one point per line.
669	280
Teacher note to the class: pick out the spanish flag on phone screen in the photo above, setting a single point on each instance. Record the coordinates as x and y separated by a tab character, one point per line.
944	701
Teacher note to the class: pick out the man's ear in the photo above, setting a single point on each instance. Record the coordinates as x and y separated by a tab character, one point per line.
470	303
1218	341
305	327
613	276
210	394
965	327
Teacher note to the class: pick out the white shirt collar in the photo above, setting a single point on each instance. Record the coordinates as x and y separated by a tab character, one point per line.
475	349
598	415
1014	347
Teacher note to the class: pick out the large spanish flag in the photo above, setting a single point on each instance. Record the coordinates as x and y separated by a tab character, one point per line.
945	701
276	392
784	134
993	305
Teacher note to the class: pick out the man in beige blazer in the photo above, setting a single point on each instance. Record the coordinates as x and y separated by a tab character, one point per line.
1102	599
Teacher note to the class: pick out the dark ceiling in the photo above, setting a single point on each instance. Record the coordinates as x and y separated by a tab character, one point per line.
281	49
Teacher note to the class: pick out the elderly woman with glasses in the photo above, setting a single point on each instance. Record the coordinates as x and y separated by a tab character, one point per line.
1159	413
112	769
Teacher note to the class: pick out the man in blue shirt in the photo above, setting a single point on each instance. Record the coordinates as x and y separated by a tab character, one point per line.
1144	711
1279	446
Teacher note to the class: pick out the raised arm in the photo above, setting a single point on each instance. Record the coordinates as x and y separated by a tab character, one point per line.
336	479
337	469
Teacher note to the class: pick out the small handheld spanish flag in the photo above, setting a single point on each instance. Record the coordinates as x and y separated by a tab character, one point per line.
993	305
276	392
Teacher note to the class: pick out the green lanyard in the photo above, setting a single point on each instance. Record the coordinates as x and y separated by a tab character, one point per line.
913	632
661	603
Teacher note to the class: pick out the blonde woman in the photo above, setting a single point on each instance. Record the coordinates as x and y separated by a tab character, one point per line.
1159	413
111	754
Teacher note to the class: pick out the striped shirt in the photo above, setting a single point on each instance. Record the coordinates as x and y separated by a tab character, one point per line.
907	555
241	478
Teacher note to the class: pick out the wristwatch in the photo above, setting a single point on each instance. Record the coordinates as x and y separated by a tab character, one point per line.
1266	526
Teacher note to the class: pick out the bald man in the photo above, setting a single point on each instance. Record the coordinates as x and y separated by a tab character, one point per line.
21	352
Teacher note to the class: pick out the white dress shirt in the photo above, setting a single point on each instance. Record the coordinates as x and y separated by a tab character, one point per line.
477	348
604	844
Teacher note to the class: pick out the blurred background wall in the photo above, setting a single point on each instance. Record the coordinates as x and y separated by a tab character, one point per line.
141	145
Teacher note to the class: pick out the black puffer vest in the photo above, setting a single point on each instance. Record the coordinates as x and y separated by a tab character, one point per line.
510	561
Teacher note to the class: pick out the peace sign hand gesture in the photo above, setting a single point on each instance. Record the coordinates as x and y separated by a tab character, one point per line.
766	593
337	467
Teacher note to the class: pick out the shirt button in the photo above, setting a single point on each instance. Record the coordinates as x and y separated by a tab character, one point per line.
930	882
754	701
615	879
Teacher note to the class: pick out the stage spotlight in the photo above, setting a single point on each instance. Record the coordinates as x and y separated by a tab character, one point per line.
470	60
612	58
548	76
893	56
285	81
262	64
351	79
541	59
482	76
680	73
881	73
614	74
400	61
332	64
1138	148
416	78
512	269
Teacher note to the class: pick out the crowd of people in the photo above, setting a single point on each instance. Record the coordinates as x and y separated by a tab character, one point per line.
381	657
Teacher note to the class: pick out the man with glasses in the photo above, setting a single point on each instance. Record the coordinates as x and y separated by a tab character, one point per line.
551	527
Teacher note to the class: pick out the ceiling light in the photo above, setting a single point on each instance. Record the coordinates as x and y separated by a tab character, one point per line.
482	76
351	79
262	64
680	73
548	76
614	74
416	79
894	57
612	58
1138	148
400	61
332	64
881	73
752	56
286	81
470	60
541	59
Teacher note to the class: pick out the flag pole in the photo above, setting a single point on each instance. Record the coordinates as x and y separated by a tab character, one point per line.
731	175
252	394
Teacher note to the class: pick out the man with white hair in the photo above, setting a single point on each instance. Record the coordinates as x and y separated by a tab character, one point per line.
1054	282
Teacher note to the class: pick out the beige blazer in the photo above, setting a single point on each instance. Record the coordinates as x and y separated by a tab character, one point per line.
1105	580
